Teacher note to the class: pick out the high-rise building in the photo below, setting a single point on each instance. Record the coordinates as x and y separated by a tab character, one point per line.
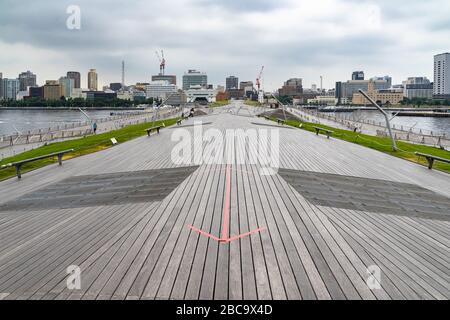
441	87
160	89
10	88
52	90
92	80
165	77
418	87
358	75
194	78
76	76
27	79
67	85
232	82
1	85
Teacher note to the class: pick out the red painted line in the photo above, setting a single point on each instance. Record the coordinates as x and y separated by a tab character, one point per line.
226	209
244	235
226	217
204	233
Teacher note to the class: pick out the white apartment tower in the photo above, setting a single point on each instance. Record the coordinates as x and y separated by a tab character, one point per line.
442	75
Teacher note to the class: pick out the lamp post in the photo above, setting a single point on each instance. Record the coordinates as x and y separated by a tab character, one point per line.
282	106
386	116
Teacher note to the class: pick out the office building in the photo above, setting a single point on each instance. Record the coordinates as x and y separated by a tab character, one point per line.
27	79
232	82
36	92
160	89
194	78
10	88
345	90
162	77
292	88
358	75
418	87
67	85
92	80
93	95
115	86
1	86
52	90
76	76
441	89
384	97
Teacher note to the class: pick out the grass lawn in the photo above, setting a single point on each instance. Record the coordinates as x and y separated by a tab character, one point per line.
405	150
81	146
219	104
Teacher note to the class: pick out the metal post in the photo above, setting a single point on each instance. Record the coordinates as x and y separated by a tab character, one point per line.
282	106
386	116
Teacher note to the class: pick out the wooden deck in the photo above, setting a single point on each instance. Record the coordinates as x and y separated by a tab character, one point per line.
314	244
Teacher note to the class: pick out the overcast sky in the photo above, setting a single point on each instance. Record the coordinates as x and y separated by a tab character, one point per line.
291	38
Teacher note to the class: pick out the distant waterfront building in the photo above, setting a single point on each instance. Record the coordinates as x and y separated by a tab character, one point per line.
76	76
388	80
92	80
418	87
27	79
163	77
160	89
441	88
10	88
194	78
200	95
67	85
176	99
115	86
36	92
1	85
232	82
345	90
323	100
52	90
92	95
358	75
292	88
384	96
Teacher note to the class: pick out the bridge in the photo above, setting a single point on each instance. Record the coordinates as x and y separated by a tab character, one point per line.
334	221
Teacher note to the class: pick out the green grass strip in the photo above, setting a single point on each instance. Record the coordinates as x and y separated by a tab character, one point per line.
81	146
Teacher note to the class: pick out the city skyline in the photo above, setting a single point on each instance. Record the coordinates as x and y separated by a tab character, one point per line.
330	37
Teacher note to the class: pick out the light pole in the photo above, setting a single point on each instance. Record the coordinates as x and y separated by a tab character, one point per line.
282	106
386	116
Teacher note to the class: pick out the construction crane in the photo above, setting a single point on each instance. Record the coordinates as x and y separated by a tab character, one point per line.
259	78
162	62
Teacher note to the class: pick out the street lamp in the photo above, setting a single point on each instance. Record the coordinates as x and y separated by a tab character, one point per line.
386	116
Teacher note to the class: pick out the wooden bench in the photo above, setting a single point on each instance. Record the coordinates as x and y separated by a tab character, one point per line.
431	159
327	132
18	164
281	121
156	128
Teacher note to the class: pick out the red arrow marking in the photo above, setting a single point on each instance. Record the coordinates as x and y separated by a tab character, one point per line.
226	217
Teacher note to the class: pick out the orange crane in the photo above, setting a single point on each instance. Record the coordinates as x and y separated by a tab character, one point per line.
162	62
259	78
